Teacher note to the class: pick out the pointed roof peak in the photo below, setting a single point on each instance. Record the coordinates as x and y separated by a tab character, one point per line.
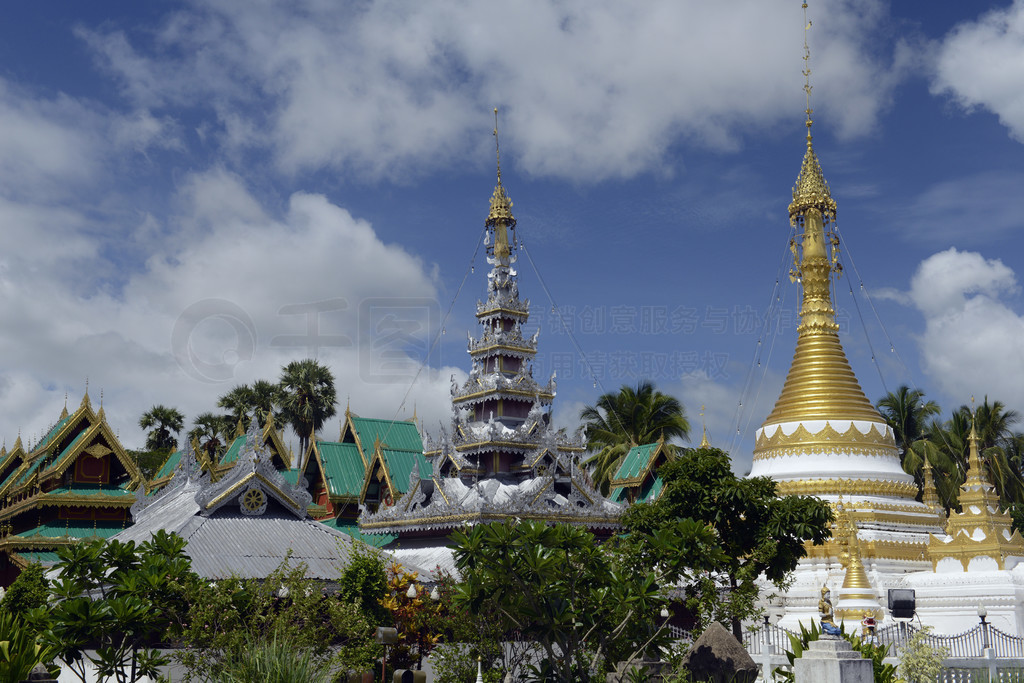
501	203
811	189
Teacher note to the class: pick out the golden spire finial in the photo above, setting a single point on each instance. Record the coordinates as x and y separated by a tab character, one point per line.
929	493
500	217
811	189
704	442
807	74
497	146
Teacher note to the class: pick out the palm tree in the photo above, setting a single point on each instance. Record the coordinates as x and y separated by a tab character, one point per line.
265	397
163	423
947	447
627	418
212	432
907	414
238	402
998	443
307	397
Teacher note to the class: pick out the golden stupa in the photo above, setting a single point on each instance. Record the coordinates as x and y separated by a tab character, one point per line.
824	437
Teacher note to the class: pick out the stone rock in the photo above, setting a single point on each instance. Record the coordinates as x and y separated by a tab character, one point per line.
718	657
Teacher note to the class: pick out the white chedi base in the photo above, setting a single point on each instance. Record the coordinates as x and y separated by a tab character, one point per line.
948	598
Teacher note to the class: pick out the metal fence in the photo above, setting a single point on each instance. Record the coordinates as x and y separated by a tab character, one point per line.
971	643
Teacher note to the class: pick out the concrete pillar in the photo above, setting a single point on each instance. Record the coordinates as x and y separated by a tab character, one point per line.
832	660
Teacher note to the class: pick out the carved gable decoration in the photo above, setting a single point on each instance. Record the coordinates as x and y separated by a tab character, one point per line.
253	482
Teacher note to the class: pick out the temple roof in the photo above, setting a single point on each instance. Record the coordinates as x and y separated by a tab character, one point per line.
246	523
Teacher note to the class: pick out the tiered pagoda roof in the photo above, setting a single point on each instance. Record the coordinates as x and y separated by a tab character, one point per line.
75	483
500	457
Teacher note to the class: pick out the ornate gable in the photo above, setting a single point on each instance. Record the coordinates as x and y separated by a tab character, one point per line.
253	482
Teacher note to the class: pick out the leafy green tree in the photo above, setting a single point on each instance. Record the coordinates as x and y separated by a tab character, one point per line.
29	590
630	417
920	662
580	601
149	462
223	620
307	397
21	649
757	532
163	424
115	599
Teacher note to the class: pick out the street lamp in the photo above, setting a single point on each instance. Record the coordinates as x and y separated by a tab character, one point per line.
435	595
982	614
664	613
411	593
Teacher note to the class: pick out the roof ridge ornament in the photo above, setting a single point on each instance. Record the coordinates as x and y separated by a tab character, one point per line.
811	188
500	218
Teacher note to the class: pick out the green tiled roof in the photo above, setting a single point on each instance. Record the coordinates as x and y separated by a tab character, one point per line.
44	558
52	433
290	476
400	464
635	462
234	449
343	468
397	434
351	527
167	469
67	451
28	472
76	530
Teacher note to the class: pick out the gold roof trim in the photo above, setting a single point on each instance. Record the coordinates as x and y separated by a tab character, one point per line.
877	441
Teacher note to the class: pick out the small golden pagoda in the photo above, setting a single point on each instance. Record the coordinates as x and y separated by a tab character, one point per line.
857	598
981	529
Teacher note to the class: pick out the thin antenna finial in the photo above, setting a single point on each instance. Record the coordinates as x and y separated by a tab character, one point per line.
807	74
497	148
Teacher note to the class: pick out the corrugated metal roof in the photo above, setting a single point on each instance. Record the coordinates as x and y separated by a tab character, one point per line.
431	557
229	543
397	434
343	468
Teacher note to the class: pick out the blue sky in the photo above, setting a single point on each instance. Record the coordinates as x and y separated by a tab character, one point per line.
193	194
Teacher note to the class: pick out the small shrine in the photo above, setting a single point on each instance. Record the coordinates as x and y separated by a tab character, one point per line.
978	564
499	458
636	480
76	483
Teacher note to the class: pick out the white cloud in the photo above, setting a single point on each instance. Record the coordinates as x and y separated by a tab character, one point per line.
971	341
590	89
989	202
228	260
981	64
